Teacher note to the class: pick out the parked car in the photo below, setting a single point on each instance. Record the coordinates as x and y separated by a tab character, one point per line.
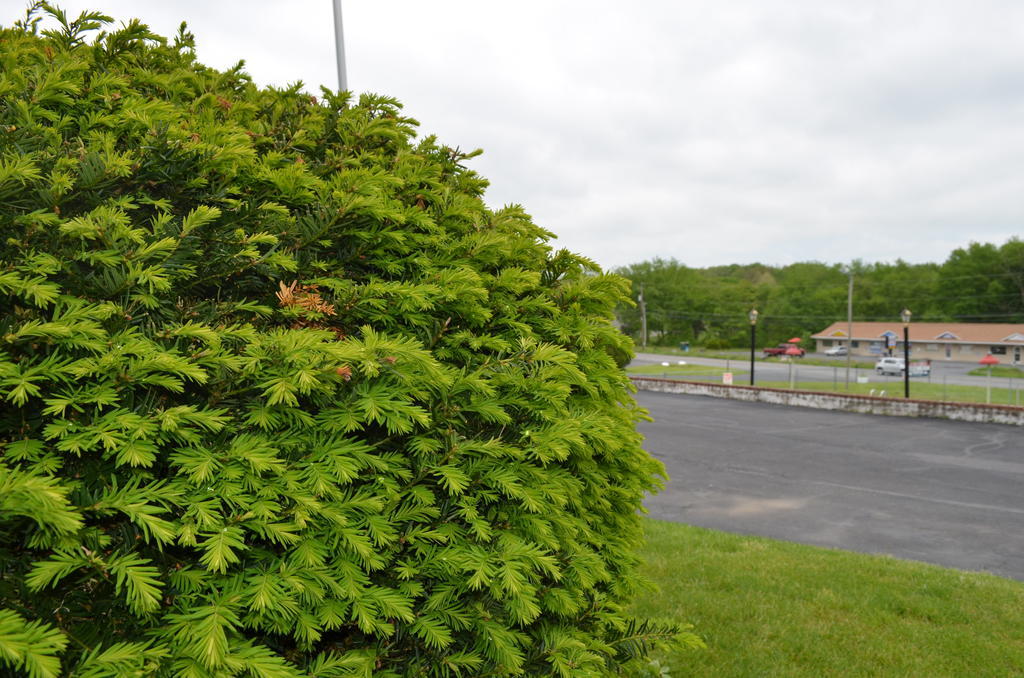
780	350
889	366
895	366
836	350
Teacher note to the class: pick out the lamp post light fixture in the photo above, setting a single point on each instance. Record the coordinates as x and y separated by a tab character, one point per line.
905	317
753	341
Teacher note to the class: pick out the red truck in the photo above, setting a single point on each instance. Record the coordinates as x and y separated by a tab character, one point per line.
780	350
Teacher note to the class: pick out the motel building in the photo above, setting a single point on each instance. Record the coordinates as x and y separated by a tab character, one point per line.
965	342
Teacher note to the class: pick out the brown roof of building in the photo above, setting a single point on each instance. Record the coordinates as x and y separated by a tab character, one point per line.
974	333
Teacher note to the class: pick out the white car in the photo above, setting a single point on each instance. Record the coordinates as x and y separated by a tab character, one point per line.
836	350
921	368
889	366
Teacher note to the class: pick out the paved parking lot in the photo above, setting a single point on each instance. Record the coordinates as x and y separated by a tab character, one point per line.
950	493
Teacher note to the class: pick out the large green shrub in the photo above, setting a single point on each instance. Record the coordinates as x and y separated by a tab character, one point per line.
282	397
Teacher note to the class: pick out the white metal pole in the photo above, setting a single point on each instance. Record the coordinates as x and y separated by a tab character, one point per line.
339	43
849	328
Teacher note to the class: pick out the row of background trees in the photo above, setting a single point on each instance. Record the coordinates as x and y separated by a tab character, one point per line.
982	282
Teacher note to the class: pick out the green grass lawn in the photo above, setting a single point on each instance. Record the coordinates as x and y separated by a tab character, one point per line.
744	355
892	387
920	390
998	371
698	352
674	370
828	362
771	608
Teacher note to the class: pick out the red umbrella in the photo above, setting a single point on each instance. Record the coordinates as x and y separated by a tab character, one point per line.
989	360
794	340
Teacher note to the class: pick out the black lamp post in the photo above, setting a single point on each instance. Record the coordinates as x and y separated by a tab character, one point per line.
905	316
753	340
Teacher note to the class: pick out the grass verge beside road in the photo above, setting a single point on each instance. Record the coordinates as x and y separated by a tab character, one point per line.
771	608
674	370
741	355
879	386
697	352
998	371
919	390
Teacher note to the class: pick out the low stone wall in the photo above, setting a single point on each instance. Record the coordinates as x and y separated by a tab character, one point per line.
893	407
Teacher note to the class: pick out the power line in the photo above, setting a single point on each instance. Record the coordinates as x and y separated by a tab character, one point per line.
740	317
780	276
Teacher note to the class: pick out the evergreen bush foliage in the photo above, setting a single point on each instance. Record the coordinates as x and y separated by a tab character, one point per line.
282	397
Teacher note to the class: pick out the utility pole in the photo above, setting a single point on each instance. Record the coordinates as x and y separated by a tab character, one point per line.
849	327
905	317
339	45
643	317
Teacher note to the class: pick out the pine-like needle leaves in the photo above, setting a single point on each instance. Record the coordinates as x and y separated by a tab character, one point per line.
280	396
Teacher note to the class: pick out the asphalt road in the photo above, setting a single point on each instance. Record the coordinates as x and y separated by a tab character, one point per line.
943	492
775	370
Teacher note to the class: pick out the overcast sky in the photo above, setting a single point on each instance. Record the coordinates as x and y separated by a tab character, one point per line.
708	131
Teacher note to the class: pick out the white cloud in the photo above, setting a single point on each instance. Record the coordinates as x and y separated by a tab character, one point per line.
712	132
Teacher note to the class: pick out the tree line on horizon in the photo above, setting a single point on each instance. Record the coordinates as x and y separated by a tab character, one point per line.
709	307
